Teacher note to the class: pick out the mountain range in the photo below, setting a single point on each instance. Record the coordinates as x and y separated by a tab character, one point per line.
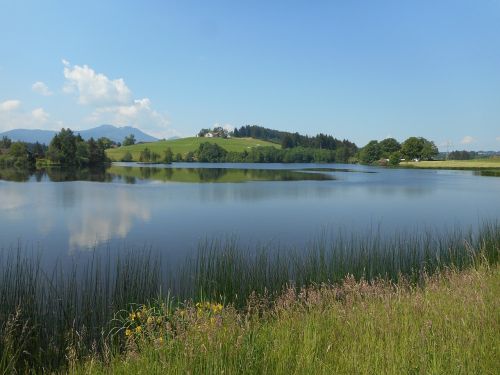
116	134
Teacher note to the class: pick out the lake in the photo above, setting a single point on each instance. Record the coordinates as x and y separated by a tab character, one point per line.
171	208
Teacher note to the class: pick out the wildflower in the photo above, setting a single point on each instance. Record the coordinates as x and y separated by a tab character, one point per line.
138	329
128	332
150	320
132	315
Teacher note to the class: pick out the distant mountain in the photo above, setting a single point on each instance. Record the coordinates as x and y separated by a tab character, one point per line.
116	134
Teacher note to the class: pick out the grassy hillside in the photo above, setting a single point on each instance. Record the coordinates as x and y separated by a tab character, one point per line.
184	145
456	164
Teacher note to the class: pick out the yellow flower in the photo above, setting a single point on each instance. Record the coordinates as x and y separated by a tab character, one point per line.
132	315
138	329
160	340
128	332
138	315
212	320
150	320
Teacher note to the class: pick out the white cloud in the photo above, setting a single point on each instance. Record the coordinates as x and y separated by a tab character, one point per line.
41	88
139	114
12	116
95	88
113	102
9	105
467	140
40	115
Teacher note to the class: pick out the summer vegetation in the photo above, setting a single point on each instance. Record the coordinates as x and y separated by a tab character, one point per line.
65	149
412	303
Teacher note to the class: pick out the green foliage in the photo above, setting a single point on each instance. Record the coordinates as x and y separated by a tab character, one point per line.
127	157
5	142
418	148
448	326
290	140
371	152
145	155
210	152
129	140
389	146
168	156
68	149
462	155
395	158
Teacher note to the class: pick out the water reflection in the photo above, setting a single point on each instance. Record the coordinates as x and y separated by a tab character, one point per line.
113	217
131	175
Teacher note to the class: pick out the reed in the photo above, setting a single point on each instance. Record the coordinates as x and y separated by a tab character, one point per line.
50	319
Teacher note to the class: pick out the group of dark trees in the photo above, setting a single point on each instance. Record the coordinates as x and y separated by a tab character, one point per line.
148	156
414	148
65	149
213	153
20	154
68	149
462	155
290	140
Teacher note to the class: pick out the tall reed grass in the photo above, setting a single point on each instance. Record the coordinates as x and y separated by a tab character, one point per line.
48	319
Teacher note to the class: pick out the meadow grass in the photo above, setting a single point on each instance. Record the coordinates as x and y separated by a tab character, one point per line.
185	145
487	163
451	326
50	320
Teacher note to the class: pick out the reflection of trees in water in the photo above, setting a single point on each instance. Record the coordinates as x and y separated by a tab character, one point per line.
209	174
76	174
15	174
129	179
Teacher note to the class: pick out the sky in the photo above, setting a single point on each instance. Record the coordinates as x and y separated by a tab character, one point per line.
359	70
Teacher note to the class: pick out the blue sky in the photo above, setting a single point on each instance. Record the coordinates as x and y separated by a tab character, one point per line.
360	70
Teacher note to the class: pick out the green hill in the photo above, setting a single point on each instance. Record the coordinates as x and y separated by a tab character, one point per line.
184	145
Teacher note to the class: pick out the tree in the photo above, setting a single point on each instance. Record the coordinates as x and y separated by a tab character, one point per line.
145	155
418	148
389	146
127	156
129	141
18	150
395	158
287	142
412	148
429	150
371	152
169	156
5	142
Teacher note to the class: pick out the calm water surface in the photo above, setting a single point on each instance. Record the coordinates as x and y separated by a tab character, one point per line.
172	208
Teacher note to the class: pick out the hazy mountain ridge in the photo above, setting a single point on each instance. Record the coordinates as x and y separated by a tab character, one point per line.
116	134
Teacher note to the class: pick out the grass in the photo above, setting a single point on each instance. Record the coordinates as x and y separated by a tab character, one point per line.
490	163
52	320
451	326
185	145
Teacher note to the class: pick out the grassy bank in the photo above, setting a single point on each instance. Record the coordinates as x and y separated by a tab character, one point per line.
50	318
491	163
185	145
450	326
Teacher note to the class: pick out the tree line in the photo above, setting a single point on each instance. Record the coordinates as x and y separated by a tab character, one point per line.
65	149
290	140
391	151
